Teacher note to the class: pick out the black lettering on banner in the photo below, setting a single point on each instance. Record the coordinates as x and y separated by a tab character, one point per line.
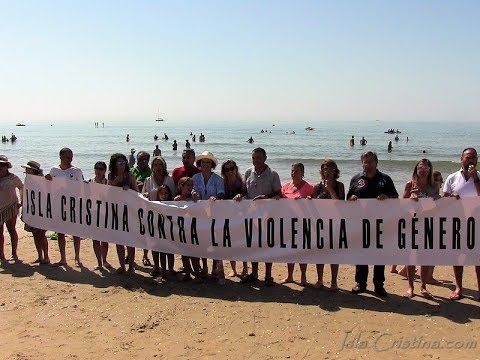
227	241
193	231
442	233
294	232
379	232
319	234
456	224
181	229
169	217
470	233
141	227
151	227
330	233
307	233
32	198
249	232
72	210
88	207
40	204
26	208
366	233
259	232
282	241
401	234
270	232
105	226
99	203
428	233
414	231
115	216
212	233
63	203
343	234
125	219
49	206
81	212
161	226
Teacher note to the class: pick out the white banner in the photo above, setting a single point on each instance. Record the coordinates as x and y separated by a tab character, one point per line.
393	231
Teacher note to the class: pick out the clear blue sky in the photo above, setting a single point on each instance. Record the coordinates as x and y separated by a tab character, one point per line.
239	60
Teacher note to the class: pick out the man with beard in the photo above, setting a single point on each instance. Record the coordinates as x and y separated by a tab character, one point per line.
188	169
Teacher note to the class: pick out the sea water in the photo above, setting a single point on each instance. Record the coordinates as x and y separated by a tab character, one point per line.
284	142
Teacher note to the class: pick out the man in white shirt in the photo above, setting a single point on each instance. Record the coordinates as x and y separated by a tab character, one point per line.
464	183
68	171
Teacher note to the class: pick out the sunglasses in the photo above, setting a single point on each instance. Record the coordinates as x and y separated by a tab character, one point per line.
121	162
228	169
3	165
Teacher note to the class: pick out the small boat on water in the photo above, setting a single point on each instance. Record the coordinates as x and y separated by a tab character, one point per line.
309	128
20	124
158	116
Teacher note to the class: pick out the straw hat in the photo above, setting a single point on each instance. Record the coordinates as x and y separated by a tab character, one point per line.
206	155
4	160
32	165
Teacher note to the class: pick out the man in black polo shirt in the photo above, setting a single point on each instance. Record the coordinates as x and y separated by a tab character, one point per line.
370	184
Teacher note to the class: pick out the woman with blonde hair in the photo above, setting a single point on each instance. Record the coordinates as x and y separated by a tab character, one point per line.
420	186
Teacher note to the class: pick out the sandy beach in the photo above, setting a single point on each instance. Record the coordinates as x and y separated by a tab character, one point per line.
78	313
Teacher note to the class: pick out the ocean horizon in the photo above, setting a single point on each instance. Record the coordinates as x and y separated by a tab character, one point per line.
284	142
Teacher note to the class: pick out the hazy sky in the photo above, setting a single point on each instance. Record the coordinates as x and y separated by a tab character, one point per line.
239	60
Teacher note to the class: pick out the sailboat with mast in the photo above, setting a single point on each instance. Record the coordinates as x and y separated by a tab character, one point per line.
158	116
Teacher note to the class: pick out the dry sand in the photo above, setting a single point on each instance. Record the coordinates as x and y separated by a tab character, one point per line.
72	313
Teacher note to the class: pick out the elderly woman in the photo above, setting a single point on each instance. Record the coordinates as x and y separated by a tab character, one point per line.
233	185
120	176
209	186
39	238
158	177
9	206
297	188
328	188
420	186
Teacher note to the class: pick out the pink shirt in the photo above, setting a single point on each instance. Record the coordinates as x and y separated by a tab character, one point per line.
305	190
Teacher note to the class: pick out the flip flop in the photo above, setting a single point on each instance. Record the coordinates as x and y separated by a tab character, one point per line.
408	295
456	296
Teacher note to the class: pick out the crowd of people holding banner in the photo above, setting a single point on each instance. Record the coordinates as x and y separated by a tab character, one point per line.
196	180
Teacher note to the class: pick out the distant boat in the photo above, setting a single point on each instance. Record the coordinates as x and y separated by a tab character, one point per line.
158	116
309	128
20	124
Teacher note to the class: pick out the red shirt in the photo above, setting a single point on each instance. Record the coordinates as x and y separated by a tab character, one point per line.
180	172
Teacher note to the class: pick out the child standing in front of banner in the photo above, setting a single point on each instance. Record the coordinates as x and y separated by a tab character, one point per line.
162	193
186	193
100	248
